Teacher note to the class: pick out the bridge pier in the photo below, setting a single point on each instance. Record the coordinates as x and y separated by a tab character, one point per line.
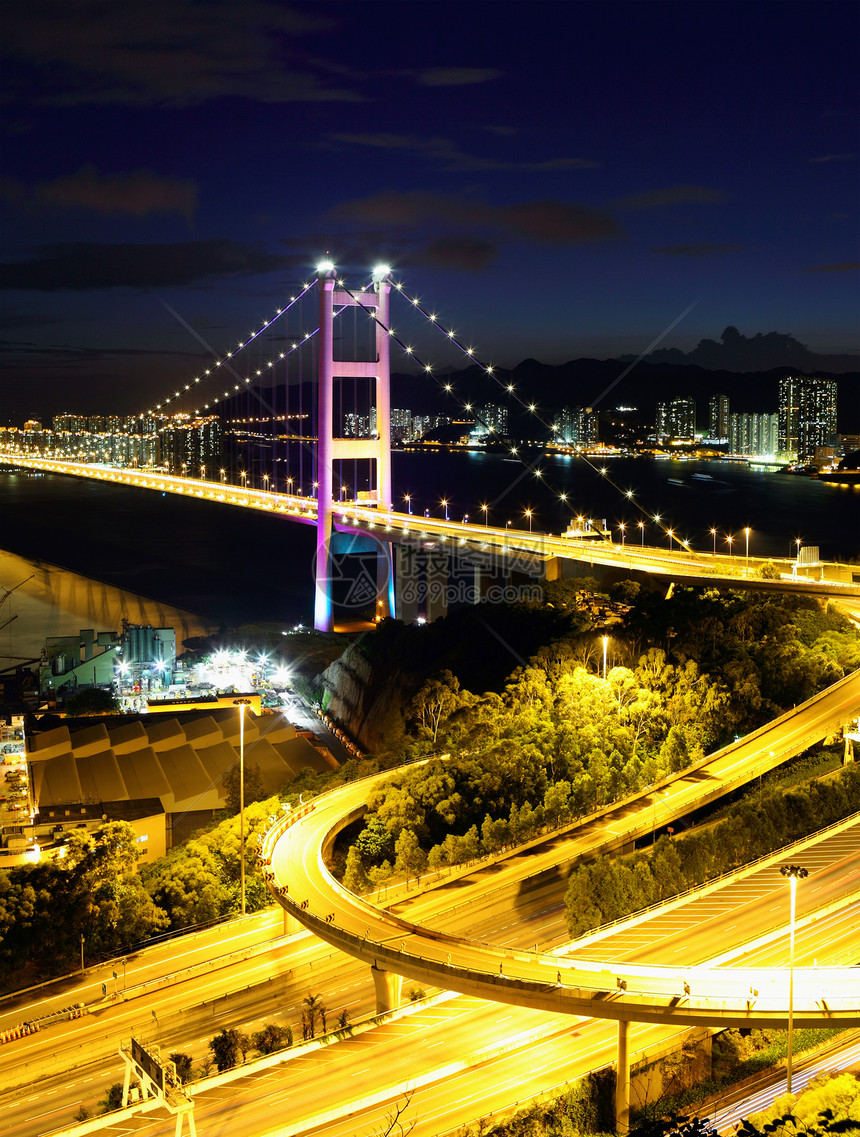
408	583
389	987
622	1079
436	602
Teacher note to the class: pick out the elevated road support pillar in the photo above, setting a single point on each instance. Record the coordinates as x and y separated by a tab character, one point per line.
291	924
388	988
622	1080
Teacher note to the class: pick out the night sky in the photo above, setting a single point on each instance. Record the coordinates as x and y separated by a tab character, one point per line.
556	179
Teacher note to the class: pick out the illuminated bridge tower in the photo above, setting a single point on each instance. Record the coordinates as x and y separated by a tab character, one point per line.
331	449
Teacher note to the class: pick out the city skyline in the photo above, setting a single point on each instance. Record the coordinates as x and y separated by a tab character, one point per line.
557	187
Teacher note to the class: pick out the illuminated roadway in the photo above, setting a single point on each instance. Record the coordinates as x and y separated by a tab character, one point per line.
541	1052
698	566
300	881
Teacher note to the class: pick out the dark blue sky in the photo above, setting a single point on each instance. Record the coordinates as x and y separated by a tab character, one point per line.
556	179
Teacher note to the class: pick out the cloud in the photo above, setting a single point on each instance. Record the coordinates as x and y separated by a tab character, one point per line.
842	266
445	152
673	195
169	52
456	76
137	194
535	221
464	252
833	158
85	266
702	249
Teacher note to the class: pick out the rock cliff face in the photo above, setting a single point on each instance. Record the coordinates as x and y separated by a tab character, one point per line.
370	686
368	698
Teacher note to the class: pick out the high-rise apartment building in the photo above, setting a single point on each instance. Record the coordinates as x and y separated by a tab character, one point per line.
718	423
73	424
807	416
577	426
492	419
677	420
755	435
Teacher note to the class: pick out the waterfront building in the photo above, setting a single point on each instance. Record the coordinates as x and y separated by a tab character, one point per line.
491	419
754	435
807	416
358	426
718	422
577	426
191	442
676	420
401	425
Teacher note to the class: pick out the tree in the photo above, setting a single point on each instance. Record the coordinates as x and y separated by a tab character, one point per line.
225	1048
314	1007
92	701
183	1063
355	877
436	700
272	1038
255	788
112	1099
410	860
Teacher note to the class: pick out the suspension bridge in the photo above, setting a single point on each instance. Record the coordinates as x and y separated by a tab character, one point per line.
414	555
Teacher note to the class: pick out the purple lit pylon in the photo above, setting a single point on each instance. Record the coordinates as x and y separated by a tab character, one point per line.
331	449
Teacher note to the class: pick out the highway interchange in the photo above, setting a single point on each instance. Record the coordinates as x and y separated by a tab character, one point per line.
549	1049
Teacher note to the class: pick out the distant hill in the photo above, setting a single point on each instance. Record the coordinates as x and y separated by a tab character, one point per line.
761	352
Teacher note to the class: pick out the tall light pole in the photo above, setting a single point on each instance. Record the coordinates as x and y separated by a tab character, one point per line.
529	516
241	704
605	642
747	535
486	511
641	525
714	535
793	873
445	503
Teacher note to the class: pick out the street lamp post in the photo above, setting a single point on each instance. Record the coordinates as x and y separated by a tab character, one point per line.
605	642
486	512
529	516
747	535
641	525
714	535
241	704
621	527
729	539
793	873
408	500
445	503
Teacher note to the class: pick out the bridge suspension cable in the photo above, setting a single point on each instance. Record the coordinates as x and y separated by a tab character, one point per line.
509	388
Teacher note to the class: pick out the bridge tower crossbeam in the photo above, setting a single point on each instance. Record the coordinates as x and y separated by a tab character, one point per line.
331	448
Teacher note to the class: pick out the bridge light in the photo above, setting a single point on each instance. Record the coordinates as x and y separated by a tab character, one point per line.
380	272
325	267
